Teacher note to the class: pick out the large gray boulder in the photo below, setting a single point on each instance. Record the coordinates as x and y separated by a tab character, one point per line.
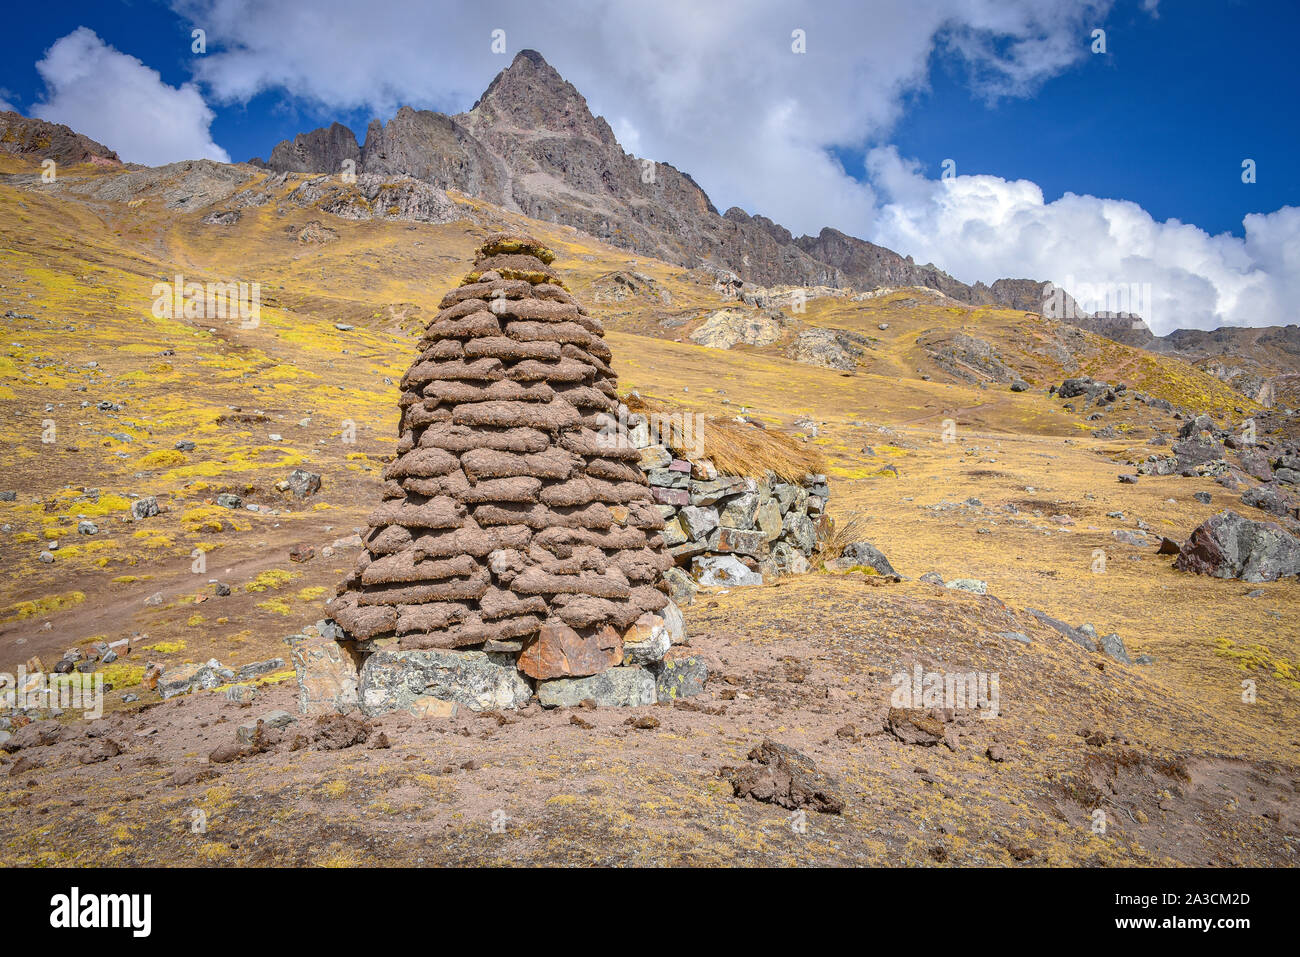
1228	545
865	555
397	680
1198	449
615	687
1270	498
726	570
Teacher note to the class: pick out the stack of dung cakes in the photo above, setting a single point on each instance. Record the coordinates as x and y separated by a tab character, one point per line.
515	518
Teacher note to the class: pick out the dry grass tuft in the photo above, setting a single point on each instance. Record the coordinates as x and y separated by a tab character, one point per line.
735	448
840	535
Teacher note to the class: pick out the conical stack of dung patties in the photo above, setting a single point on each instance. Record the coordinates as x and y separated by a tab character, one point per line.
515	519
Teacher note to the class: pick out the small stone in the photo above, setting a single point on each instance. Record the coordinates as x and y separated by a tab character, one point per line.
279	720
681	587
646	641
788	778
241	694
186	678
326	674
256	669
1113	645
145	507
429	707
655	457
865	555
698	521
914	726
303	483
680	674
972	585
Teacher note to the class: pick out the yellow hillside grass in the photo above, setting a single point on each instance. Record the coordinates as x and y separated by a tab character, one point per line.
735	448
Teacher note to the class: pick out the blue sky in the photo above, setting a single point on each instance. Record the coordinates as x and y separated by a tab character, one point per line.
1162	120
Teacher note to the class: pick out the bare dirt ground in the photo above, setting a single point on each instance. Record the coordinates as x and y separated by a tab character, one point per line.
607	786
1023	498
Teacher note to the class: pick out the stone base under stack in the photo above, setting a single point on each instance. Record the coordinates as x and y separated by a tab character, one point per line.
334	676
518	548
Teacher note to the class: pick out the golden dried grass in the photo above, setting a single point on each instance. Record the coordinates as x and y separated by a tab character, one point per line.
734	448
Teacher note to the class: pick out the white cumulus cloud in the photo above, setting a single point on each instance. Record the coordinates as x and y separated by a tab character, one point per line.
980	227
112	97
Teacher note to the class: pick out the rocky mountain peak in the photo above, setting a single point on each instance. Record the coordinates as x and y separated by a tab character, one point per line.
530	97
531	144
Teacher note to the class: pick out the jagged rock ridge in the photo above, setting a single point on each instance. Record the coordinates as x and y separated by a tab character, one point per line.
531	145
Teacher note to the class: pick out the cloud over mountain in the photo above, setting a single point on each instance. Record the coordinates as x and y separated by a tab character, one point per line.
1098	249
113	97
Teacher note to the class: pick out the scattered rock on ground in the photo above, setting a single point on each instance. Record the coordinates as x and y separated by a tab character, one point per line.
783	776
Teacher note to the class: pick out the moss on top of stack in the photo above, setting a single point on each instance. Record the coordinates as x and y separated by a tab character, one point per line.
509	243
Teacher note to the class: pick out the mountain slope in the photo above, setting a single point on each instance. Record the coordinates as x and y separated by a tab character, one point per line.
949	473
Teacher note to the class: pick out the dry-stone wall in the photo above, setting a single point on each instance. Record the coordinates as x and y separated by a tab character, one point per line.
725	529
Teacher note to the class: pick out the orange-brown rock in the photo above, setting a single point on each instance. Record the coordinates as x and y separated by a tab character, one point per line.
559	651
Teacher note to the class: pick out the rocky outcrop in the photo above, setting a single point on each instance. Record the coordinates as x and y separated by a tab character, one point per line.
865	265
829	348
967	358
741	327
320	151
437	149
621	285
377	197
40	140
